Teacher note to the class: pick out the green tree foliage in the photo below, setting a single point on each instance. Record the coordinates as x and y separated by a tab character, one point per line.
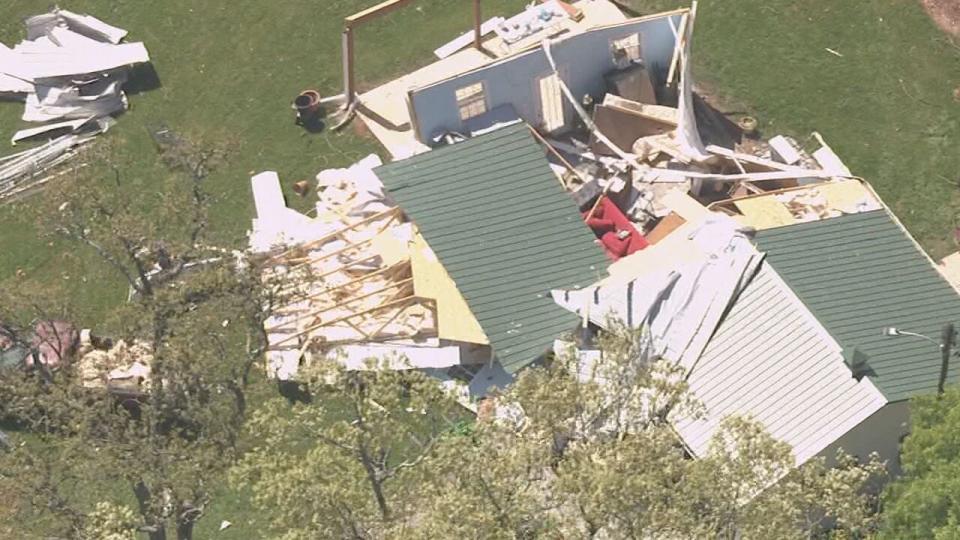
564	456
336	466
166	442
925	502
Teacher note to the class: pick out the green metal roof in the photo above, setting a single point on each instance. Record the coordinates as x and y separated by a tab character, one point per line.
860	273
506	231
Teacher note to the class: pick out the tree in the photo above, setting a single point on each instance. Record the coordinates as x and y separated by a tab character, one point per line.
924	503
337	465
149	236
575	450
169	440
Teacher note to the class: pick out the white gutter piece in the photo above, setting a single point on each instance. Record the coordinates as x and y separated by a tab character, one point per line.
9	81
24	134
466	38
65	62
86	25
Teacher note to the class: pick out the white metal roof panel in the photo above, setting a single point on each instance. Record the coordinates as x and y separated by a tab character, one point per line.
771	360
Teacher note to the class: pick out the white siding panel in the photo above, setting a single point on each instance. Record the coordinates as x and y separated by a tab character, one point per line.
770	359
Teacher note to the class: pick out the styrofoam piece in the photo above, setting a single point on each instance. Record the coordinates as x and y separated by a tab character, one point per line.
784	150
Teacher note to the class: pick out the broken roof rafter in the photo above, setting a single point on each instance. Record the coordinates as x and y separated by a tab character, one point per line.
402	303
403	267
307	246
315	313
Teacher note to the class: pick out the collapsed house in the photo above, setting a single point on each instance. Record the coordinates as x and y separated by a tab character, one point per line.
548	185
69	73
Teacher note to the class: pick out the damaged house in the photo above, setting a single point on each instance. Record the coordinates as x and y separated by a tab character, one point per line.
562	170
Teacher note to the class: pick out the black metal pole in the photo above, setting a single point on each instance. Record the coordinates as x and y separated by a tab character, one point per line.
946	342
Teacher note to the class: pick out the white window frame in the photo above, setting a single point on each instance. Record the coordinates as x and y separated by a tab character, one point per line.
471	100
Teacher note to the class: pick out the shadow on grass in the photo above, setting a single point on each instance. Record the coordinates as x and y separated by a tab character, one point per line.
143	78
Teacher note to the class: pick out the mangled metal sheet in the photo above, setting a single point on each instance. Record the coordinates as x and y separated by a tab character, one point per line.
681	299
51	103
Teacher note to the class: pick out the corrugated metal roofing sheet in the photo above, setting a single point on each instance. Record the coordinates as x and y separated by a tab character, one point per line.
860	273
770	359
506	231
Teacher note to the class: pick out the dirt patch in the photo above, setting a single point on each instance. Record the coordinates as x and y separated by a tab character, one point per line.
945	13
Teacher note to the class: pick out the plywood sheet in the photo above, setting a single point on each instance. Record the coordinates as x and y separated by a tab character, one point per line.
666	226
455	321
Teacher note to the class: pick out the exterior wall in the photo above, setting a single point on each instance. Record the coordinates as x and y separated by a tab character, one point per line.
582	59
880	433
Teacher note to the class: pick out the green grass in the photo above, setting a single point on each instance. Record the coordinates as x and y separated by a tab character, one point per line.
886	106
228	73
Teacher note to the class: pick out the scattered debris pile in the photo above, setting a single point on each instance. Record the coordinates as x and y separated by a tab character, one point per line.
24	171
120	367
69	72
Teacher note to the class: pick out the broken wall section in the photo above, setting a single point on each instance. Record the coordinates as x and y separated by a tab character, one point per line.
511	88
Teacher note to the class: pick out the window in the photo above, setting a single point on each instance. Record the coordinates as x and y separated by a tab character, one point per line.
471	101
626	50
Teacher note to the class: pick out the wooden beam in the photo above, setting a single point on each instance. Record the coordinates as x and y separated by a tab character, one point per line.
310	260
391	213
558	156
349	81
348	317
477	23
342	304
404	290
678	45
365	277
373	12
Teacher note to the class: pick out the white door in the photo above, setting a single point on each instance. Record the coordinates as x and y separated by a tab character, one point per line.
551	103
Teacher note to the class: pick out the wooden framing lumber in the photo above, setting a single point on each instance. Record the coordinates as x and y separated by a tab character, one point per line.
373	12
391	213
558	155
477	23
408	281
360	279
406	300
678	46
